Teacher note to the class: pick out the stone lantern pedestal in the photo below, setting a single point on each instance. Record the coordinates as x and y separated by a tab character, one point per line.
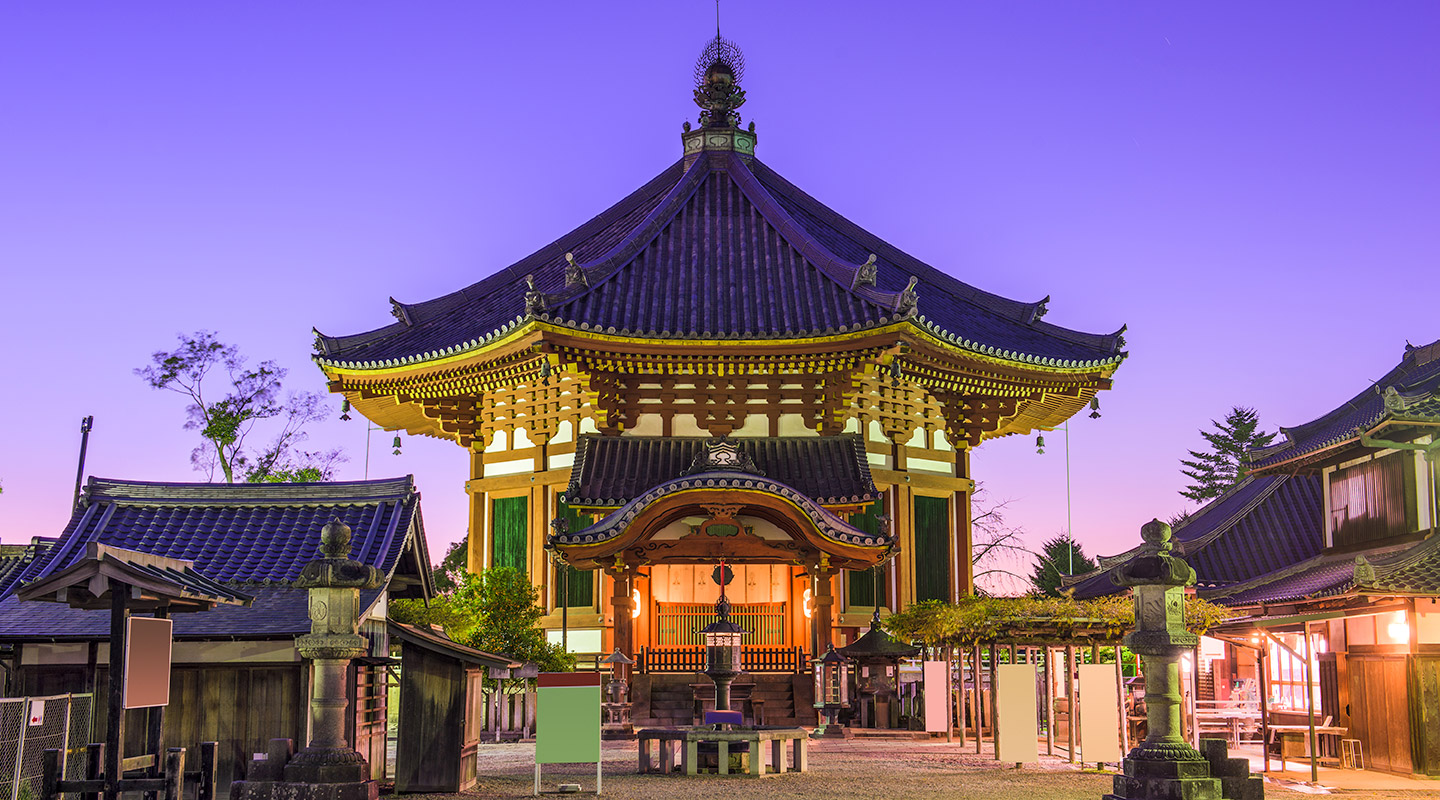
1165	766
328	768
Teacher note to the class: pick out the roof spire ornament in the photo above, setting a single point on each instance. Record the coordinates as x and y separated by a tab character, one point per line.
718	73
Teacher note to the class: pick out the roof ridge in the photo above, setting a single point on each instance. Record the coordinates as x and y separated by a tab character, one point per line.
623	252
820	256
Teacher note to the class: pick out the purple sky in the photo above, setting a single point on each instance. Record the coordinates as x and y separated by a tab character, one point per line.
1253	188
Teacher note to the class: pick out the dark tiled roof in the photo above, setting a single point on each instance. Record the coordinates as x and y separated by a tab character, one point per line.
254	537
1409	392
611	470
275	612
1262	525
1322	576
721	251
1417	571
242	533
16	558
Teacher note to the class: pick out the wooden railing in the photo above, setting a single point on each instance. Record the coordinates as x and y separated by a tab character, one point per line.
692	659
680	623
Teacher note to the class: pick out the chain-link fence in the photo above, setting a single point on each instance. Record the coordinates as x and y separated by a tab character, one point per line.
31	725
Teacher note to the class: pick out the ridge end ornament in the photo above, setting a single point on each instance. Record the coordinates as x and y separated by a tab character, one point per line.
534	298
574	273
867	273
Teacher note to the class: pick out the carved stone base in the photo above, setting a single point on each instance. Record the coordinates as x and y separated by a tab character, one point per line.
832	731
286	790
1209	775
327	765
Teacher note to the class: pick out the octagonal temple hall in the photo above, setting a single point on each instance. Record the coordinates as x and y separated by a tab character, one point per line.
719	366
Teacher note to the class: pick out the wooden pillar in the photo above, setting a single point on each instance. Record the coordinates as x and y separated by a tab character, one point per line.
1309	707
978	695
964	696
1263	669
115	709
621	604
824	608
476	551
994	699
1070	696
962	542
1049	701
1120	693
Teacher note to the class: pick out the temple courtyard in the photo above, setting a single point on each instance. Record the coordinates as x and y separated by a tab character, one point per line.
861	768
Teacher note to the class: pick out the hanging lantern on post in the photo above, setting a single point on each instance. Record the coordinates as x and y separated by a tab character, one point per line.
832	691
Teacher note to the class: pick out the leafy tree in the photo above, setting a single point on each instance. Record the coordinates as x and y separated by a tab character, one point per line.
1222	466
225	410
447	574
1059	556
498	612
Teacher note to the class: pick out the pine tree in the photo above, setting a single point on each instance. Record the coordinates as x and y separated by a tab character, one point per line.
1223	465
1058	557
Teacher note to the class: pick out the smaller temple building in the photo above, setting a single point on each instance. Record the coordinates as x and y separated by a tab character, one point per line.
237	676
1327	553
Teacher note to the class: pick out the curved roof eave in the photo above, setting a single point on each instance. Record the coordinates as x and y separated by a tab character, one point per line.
828	524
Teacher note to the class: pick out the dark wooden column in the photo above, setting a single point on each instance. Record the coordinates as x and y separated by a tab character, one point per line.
115	710
823	626
962	540
621	606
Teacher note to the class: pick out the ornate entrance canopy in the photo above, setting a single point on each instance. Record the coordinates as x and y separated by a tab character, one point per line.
724	505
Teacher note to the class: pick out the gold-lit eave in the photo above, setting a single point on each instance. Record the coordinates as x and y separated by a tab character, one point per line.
386	394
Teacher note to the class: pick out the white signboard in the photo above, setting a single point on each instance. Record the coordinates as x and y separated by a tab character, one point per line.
1017	714
1099	714
937	696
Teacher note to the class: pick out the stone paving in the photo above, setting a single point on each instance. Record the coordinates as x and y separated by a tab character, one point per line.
861	769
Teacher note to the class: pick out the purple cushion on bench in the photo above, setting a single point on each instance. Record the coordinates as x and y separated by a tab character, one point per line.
724	717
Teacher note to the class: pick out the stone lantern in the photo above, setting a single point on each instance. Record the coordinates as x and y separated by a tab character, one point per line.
723	658
1165	765
832	691
334	581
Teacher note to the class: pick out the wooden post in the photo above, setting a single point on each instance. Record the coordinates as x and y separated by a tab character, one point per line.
49	774
1265	707
175	773
1070	698
94	767
1049	701
964	698
949	695
115	708
994	700
1310	710
978	699
1120	692
209	754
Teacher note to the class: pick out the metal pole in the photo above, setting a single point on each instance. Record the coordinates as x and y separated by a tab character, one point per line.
1069	523
85	425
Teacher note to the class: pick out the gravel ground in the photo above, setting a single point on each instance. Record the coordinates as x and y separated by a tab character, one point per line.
863	769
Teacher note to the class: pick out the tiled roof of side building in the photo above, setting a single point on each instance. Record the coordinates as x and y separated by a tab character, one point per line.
736	252
1325	575
1261	525
611	470
256	537
1408	392
16	558
241	533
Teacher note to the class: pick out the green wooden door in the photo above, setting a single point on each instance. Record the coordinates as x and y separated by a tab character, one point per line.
577	585
510	515
932	548
860	585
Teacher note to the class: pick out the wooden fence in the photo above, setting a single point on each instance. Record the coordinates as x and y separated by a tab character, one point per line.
692	659
680	623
